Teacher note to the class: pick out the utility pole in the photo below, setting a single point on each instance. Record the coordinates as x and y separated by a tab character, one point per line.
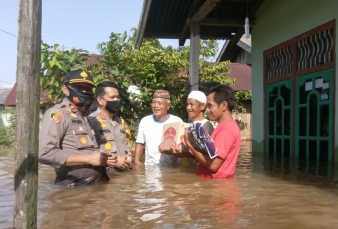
27	114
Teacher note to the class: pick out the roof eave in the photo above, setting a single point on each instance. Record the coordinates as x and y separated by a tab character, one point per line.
142	23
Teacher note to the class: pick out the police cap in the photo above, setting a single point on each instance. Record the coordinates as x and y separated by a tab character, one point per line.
79	76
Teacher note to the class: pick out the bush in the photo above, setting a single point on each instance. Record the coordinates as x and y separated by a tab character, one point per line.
7	136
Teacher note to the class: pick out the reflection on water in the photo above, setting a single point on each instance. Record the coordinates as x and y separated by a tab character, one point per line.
265	193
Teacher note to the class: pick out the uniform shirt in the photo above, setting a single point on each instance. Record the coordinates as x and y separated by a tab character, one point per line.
110	134
150	133
65	131
227	140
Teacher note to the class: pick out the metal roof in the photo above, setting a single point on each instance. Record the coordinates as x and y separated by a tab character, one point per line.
231	52
218	19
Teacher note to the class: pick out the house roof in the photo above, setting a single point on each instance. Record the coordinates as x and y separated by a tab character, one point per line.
218	19
230	52
3	94
11	98
242	74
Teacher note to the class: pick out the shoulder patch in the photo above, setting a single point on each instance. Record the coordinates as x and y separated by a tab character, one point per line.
56	116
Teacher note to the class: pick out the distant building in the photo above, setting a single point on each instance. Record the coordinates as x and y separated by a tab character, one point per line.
4	113
11	100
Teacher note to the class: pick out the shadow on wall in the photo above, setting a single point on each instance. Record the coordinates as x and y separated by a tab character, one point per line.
244	123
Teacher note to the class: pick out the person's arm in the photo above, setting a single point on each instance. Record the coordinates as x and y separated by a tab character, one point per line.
212	164
53	128
139	149
140	143
95	159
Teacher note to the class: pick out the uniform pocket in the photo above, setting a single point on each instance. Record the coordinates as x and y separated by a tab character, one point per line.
83	140
107	141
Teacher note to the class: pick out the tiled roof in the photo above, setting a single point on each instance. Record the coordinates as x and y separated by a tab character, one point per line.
11	98
3	94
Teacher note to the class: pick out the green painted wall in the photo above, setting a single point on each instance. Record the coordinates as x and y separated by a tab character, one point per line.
278	21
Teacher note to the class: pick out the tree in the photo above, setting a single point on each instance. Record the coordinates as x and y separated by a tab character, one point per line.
56	62
152	67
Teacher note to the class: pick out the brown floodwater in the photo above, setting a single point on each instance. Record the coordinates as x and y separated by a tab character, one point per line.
264	193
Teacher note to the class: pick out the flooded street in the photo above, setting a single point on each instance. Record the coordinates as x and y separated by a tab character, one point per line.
265	193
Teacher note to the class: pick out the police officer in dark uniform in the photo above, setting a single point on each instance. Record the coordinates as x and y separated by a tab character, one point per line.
66	140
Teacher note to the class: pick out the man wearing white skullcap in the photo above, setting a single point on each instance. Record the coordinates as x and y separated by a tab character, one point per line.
199	96
196	104
226	137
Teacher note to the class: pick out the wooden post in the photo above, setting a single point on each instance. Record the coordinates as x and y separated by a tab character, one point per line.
194	55
27	114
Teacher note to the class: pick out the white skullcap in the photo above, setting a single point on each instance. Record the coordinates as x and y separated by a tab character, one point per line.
198	95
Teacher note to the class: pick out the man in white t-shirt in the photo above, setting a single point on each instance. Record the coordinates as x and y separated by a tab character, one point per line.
150	132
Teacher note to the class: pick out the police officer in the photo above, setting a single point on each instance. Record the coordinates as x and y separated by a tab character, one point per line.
66	140
110	130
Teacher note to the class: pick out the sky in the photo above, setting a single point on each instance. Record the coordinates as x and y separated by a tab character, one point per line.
80	24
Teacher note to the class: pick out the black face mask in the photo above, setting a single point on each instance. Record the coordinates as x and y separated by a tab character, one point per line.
79	99
113	107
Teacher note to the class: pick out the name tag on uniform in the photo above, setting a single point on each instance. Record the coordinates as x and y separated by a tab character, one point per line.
76	121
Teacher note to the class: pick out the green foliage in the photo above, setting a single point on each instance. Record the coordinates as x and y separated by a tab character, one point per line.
241	96
12	120
56	62
152	67
7	136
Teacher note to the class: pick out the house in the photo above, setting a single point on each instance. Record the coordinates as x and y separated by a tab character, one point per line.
4	114
293	64
242	74
10	101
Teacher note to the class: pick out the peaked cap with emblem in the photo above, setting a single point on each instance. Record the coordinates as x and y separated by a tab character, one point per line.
161	94
79	76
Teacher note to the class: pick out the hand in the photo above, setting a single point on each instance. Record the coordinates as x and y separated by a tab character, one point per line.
169	151
129	160
97	158
137	163
178	148
187	139
184	151
112	159
122	163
